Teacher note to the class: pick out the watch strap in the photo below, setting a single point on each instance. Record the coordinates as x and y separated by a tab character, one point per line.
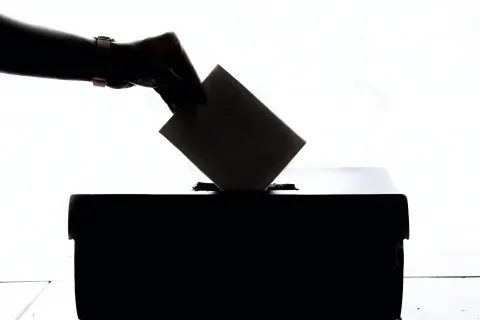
103	60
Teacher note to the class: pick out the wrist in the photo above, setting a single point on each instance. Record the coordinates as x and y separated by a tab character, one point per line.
123	59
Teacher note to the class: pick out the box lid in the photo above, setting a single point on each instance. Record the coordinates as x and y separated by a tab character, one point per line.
361	188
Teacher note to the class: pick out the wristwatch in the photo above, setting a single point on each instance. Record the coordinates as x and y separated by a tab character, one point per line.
103	60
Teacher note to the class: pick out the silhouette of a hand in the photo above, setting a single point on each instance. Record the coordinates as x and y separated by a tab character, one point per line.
160	63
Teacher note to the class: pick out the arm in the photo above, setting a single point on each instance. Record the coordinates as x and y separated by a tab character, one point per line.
157	62
30	50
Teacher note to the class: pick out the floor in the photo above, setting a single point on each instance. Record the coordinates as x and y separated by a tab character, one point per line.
424	298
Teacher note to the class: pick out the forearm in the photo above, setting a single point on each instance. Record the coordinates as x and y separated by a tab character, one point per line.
35	51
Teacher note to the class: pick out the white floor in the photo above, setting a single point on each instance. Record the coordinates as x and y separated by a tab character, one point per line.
42	287
15	298
425	299
438	299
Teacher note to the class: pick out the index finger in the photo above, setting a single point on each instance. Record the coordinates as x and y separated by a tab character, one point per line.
181	64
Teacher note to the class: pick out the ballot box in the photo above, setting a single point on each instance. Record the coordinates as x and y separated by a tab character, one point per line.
321	243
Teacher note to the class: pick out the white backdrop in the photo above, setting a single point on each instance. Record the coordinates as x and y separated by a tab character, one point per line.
366	83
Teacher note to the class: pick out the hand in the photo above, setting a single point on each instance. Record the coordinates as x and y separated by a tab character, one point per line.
160	63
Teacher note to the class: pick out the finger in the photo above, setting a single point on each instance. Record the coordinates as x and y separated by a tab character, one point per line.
172	91
181	65
166	95
176	93
174	96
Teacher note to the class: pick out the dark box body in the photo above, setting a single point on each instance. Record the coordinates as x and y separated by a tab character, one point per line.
293	254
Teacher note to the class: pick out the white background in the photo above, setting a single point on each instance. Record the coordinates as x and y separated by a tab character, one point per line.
367	83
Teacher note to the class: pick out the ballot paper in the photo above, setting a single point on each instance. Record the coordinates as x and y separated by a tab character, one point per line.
235	140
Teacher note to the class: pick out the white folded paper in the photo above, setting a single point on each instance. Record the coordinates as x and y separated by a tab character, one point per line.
235	140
